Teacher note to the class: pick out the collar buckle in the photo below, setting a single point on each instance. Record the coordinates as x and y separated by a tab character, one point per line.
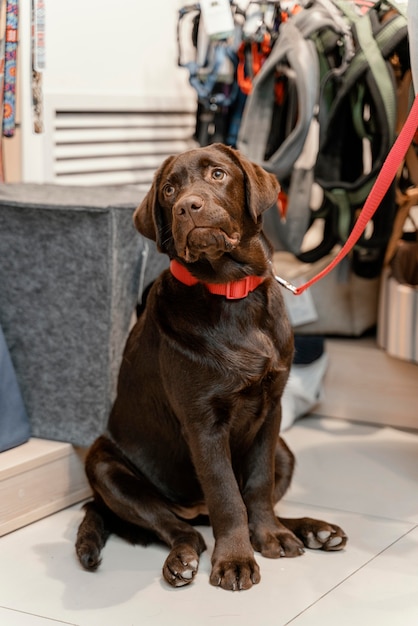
234	290
238	288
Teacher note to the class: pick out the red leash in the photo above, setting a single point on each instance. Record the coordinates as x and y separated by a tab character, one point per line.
380	187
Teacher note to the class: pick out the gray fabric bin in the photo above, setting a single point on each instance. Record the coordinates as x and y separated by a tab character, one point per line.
70	268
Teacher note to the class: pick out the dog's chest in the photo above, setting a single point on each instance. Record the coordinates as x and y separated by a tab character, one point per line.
213	348
235	363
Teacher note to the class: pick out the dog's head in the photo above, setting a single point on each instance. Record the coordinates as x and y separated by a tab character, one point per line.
205	202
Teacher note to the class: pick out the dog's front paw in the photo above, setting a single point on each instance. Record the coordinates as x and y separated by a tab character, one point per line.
181	566
276	542
234	574
317	534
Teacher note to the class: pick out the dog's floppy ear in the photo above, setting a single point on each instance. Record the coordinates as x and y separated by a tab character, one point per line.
148	216
261	187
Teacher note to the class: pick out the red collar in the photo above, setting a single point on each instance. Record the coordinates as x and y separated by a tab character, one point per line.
233	290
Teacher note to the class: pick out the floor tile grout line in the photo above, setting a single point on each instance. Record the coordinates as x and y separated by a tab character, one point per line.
30	614
352	574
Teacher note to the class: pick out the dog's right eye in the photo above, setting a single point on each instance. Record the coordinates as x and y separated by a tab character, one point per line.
218	174
168	190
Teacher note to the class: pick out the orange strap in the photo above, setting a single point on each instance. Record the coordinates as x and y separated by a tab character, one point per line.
259	53
233	290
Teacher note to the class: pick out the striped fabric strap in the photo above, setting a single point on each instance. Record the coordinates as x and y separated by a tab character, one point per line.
9	110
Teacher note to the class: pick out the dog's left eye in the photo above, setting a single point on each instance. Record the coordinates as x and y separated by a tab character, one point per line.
168	190
218	174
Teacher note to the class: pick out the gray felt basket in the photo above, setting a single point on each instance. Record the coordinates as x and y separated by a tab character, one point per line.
70	269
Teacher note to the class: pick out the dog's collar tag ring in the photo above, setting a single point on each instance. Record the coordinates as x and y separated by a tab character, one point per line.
234	290
285	283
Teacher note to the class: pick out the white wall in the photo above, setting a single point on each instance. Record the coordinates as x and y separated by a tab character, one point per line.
100	55
127	47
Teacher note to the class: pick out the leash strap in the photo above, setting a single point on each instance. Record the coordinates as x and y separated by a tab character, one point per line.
38	63
2	64
9	110
380	187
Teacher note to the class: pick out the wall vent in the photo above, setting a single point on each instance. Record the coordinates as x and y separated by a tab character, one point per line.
116	147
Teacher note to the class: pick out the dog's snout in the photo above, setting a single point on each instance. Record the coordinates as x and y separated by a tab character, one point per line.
190	204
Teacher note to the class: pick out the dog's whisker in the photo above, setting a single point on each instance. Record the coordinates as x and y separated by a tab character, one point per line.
167	240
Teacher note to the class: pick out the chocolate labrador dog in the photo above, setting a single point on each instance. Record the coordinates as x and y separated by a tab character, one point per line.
194	429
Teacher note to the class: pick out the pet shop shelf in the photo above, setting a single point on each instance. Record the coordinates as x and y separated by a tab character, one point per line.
37	479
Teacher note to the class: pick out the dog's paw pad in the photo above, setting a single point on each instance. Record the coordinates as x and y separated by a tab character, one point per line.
317	534
312	542
178	581
191	571
335	542
179	568
323	536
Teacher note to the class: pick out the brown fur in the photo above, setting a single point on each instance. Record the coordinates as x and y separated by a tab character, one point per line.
195	426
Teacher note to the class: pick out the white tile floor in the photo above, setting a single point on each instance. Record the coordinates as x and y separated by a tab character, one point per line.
361	477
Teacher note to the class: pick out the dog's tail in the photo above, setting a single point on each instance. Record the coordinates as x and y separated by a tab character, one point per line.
96	527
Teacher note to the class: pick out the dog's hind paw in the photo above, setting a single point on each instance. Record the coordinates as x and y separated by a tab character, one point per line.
88	555
181	566
317	534
324	540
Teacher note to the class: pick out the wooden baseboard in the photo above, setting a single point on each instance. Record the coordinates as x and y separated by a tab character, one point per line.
363	383
37	479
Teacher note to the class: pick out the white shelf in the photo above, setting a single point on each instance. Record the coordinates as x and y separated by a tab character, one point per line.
37	479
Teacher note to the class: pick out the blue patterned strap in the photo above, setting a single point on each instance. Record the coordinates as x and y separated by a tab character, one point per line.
2	61
9	107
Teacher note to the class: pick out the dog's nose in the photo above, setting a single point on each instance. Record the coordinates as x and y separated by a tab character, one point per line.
191	203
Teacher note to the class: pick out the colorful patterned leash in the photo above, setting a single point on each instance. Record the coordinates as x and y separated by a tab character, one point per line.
9	107
38	62
2	60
